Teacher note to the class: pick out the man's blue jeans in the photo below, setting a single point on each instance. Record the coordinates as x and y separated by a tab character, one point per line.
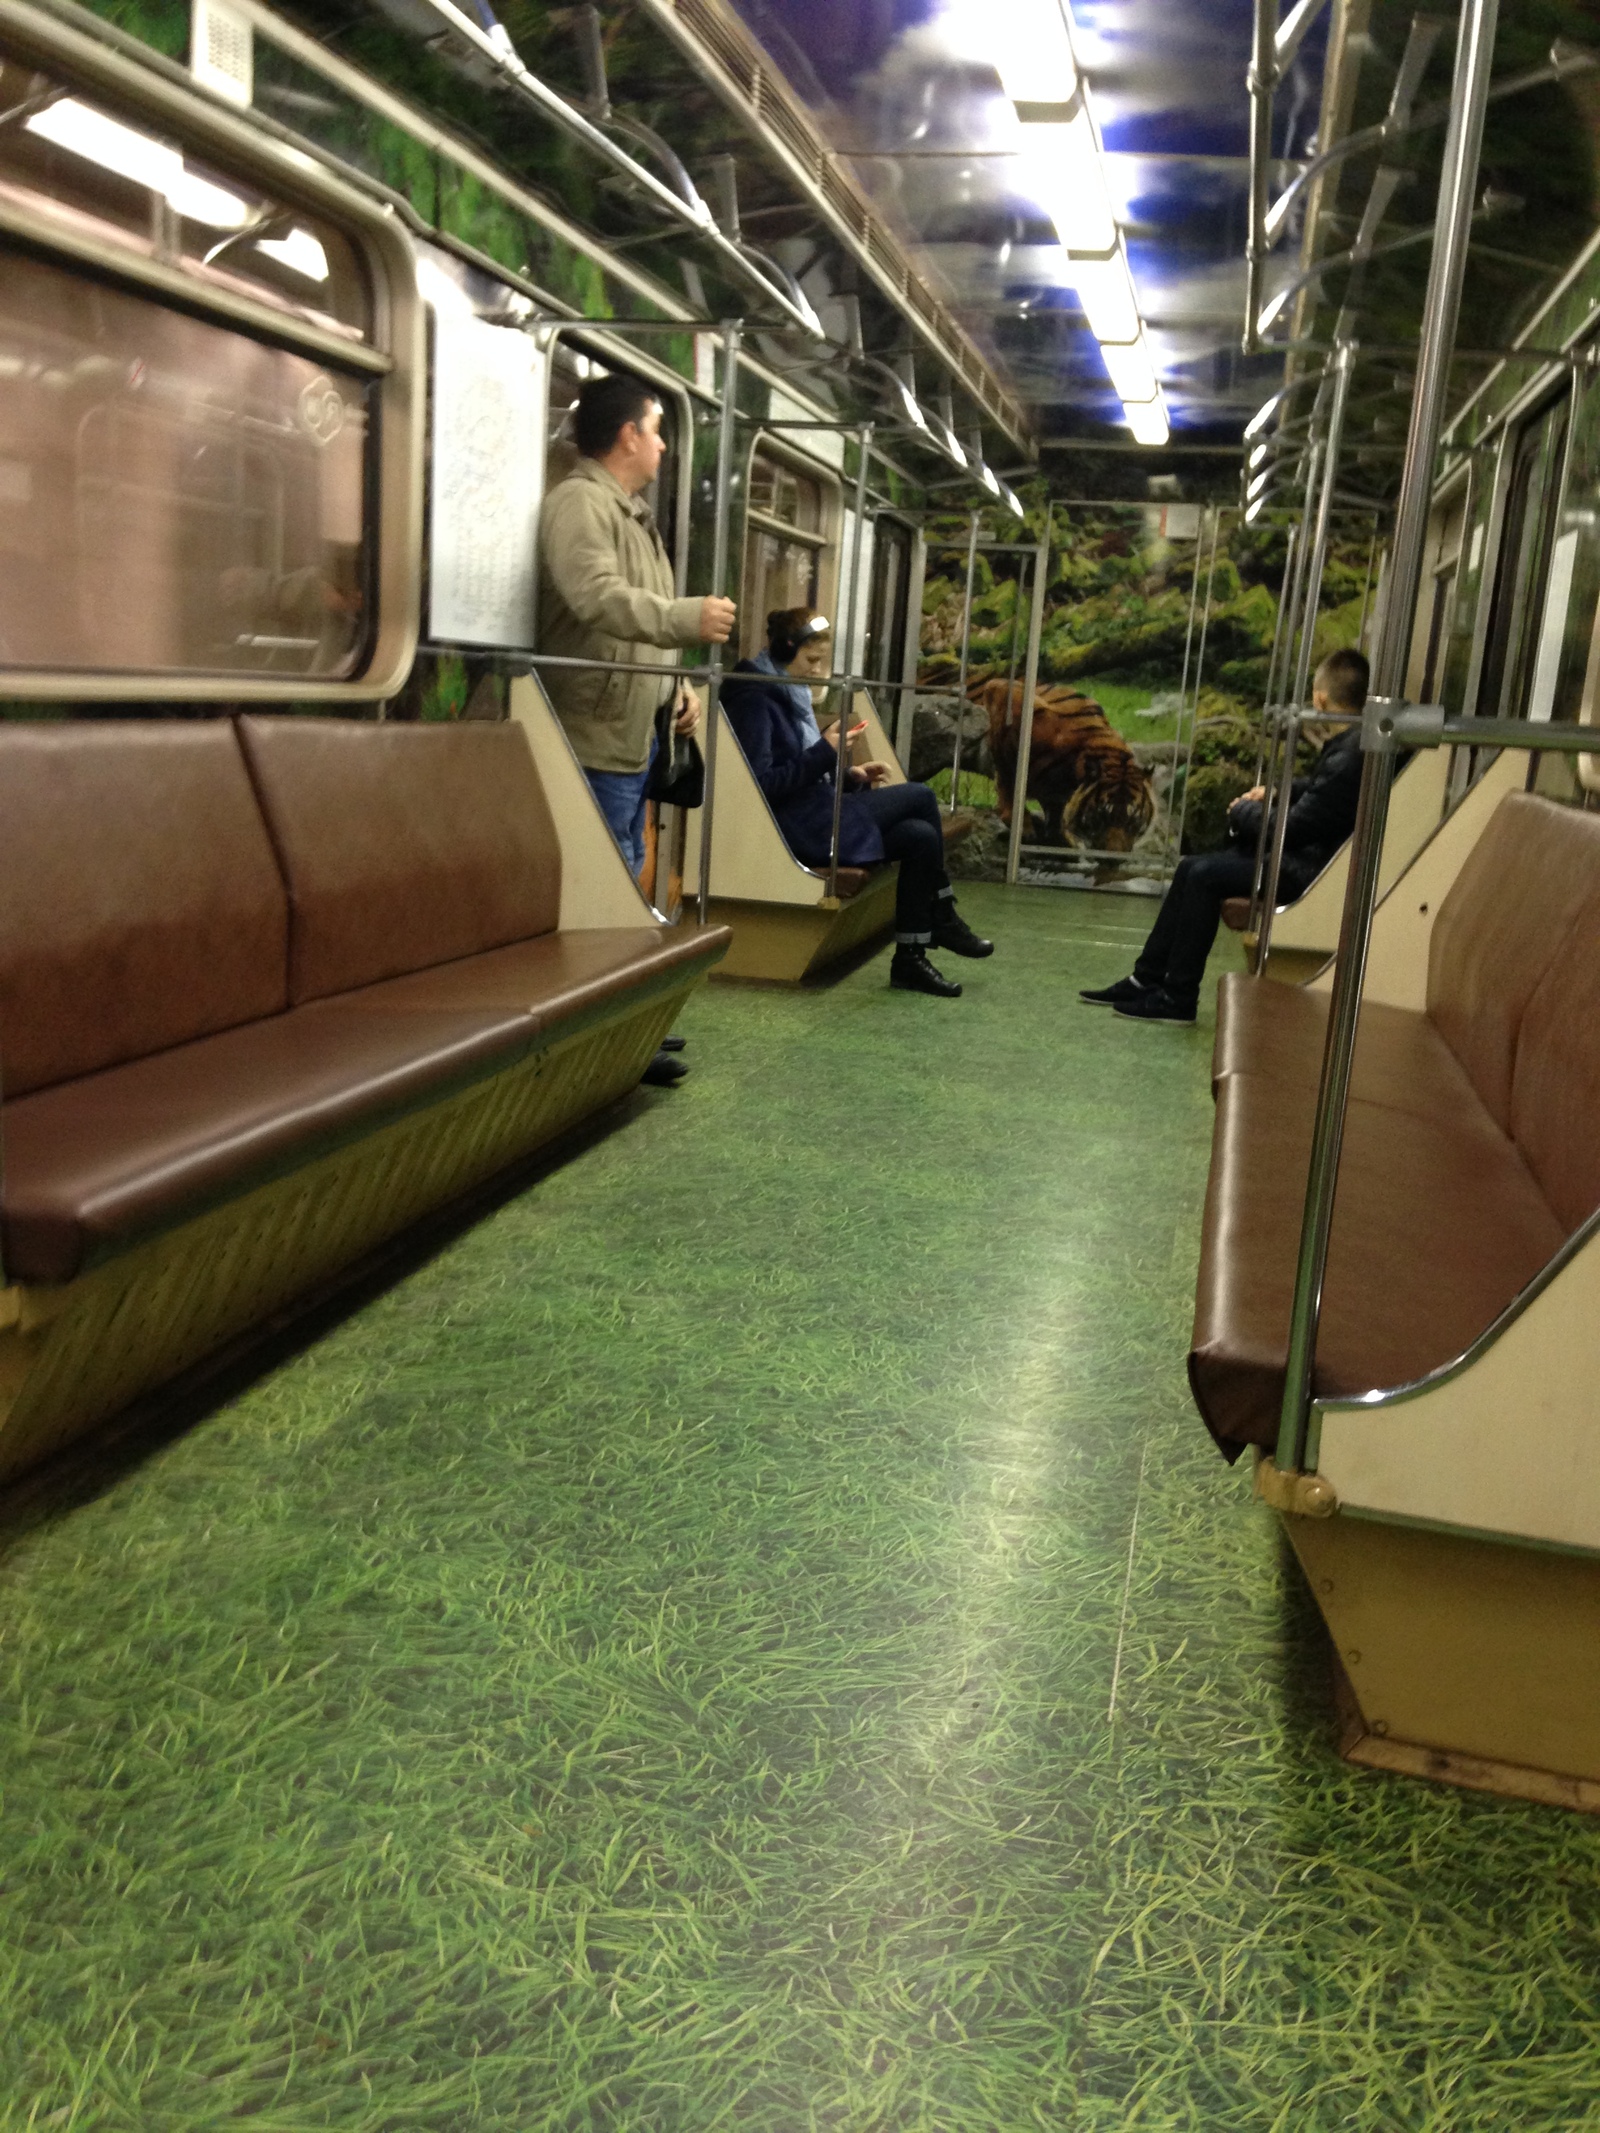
621	794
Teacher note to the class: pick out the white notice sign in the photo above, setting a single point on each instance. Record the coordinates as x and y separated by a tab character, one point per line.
488	473
1553	629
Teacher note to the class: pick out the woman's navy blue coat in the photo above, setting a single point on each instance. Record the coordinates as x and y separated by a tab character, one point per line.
797	780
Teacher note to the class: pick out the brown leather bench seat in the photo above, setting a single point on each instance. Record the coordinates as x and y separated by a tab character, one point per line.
1469	1153
225	952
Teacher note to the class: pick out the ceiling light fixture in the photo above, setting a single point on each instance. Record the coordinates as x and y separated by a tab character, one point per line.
1012	501
1263	415
1148	421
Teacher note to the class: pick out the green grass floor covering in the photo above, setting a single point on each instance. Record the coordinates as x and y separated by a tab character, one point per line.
751	1635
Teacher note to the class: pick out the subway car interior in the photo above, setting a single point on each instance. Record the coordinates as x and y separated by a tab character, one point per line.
799	954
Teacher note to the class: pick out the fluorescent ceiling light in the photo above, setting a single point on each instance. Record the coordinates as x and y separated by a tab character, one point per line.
909	408
1148	421
1262	452
1253	512
1062	167
1132	372
128	153
1259	484
299	252
1027	42
987	478
948	442
1012	501
1263	415
1105	297
1274	311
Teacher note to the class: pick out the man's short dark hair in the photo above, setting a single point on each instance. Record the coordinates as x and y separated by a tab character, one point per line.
1343	678
605	407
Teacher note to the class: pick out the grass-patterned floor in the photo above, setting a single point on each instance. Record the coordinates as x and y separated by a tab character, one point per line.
751	1635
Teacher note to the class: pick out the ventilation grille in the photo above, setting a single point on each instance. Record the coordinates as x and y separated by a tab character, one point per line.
221	53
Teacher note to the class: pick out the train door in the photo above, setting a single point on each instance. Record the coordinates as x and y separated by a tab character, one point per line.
1522	574
888	600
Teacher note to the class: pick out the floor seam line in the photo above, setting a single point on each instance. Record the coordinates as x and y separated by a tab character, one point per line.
1127	1587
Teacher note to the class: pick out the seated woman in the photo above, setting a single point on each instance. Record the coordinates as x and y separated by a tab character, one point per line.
794	764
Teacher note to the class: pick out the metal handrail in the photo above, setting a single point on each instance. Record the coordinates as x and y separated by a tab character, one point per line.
1441	309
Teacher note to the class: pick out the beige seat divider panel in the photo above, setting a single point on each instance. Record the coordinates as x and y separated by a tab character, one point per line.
1402	925
1501	1444
750	863
1312	924
596	888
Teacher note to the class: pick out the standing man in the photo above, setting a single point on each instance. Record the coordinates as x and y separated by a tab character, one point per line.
606	592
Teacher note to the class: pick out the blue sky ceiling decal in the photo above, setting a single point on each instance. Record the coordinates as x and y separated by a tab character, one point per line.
1075	183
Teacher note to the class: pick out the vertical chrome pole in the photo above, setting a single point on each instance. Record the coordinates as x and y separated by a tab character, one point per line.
1261	81
722	505
1282	773
845	653
1030	685
1366	590
966	647
1173	836
1452	230
1268	736
1199	669
1343	367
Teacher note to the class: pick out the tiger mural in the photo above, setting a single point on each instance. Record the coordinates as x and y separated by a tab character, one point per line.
1094	791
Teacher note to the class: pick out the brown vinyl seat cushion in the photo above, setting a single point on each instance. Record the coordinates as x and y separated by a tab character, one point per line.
140	903
177	1029
97	1163
1470	1152
402	845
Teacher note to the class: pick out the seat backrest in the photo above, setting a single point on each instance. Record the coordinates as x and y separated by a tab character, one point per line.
402	845
1555	1092
1499	929
140	904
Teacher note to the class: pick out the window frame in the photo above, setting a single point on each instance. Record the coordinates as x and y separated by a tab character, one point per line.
391	361
824	543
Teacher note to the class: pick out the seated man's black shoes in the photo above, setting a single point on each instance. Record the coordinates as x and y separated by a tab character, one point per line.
912	972
674	1044
955	936
1151	1004
1114	995
663	1072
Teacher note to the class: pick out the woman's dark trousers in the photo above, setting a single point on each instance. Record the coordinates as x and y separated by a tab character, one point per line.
908	821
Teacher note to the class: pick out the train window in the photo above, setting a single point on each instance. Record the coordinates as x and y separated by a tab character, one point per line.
784	544
1532	506
191	498
95	172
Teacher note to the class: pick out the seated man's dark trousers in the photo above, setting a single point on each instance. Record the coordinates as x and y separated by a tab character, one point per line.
908	821
1174	957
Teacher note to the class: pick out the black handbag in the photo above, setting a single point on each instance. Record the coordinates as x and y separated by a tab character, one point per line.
678	774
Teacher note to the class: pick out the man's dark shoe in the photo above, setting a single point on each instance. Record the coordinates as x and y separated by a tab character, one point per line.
1114	995
1154	1005
674	1044
957	937
912	972
663	1072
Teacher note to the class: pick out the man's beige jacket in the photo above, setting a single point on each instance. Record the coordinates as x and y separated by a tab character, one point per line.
605	592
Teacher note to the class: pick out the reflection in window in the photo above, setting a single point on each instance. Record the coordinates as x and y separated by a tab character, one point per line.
181	498
109	178
783	546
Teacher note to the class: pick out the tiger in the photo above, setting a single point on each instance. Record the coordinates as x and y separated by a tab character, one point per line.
1094	791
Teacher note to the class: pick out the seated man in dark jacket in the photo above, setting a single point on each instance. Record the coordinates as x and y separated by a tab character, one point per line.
1165	985
794	764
